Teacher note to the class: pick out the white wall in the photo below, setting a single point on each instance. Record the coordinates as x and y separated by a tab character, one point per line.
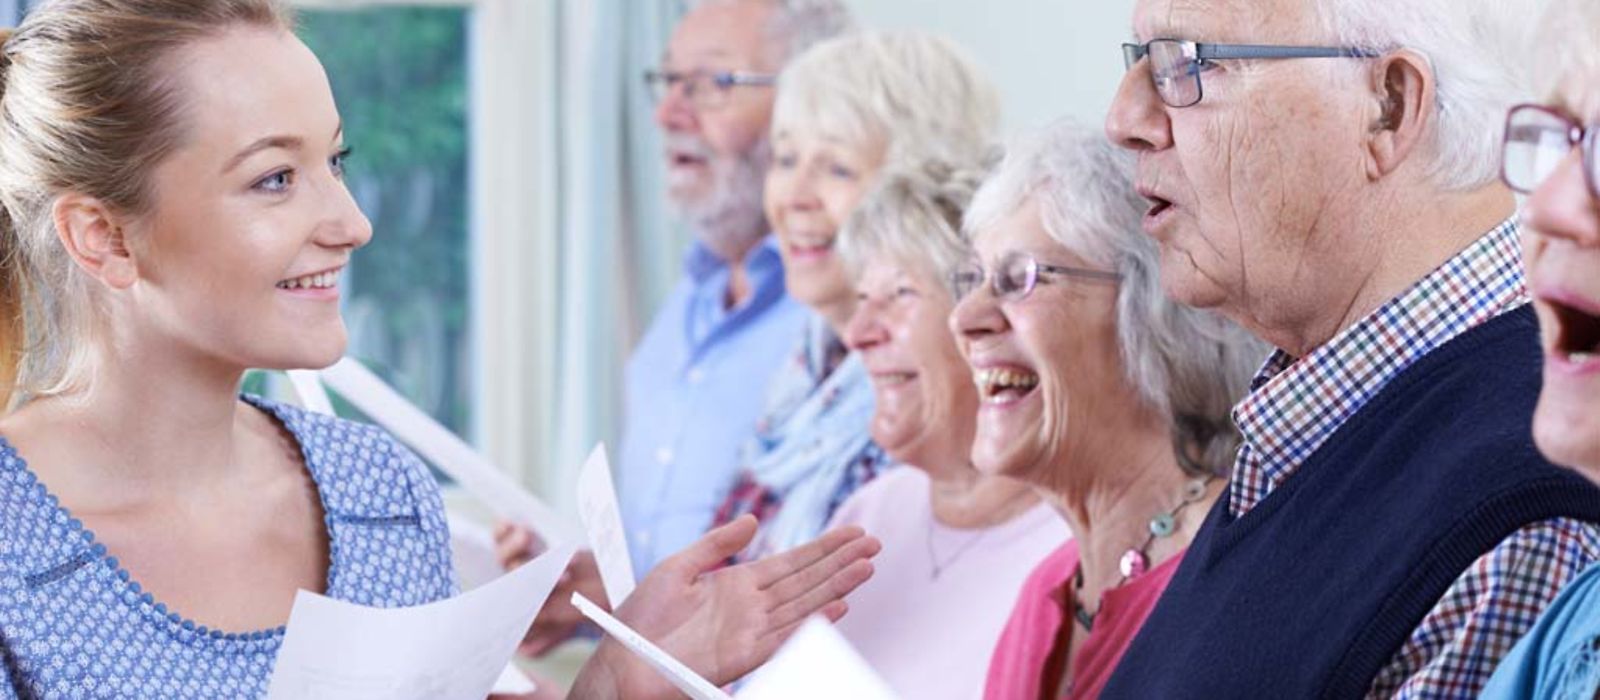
1050	58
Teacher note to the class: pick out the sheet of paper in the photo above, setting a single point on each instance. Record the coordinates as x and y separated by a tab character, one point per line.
817	662
602	519
673	670
513	681
363	389
313	396
449	650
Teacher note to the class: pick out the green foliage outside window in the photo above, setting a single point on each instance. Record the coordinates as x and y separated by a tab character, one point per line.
400	77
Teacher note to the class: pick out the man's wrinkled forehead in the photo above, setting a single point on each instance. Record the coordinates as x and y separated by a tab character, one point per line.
727	34
1224	21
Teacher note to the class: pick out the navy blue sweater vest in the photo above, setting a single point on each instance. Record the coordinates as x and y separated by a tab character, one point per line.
1312	592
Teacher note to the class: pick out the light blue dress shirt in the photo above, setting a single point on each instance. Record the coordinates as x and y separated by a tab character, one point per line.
695	388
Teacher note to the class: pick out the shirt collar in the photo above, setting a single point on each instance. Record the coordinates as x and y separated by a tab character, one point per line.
1296	404
700	263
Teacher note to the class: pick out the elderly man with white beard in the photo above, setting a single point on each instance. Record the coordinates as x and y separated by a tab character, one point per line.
1324	173
692	389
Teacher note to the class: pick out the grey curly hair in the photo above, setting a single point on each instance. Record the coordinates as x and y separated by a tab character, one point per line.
913	216
1190	365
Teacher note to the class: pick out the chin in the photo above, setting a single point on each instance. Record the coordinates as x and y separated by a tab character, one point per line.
995	459
1567	431
320	353
1184	284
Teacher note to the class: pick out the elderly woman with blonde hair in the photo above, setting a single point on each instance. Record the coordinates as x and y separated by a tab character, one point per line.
957	543
846	109
1098	390
1550	154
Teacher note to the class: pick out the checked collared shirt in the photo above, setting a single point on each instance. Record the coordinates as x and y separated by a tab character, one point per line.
1296	404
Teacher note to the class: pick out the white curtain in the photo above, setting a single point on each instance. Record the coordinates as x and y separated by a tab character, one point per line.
619	251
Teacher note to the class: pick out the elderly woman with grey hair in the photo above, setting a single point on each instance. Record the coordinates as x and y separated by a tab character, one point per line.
957	543
846	110
1096	389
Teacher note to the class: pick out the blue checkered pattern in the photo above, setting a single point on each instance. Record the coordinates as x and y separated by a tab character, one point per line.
1486	611
1296	404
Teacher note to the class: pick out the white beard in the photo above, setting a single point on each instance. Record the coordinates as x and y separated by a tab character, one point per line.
730	219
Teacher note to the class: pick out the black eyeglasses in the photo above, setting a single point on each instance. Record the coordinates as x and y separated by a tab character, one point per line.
1176	65
1538	140
703	89
1016	275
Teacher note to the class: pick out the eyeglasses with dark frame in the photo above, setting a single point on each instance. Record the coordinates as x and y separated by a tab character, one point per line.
1538	140
704	89
1176	65
1016	275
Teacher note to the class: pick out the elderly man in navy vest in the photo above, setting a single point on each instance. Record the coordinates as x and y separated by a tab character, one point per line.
1324	173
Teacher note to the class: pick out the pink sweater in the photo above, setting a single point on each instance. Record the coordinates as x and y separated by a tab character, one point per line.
1017	668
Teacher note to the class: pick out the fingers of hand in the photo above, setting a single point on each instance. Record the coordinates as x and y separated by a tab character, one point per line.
513	545
714	548
767	644
549	632
817	598
778	567
803	580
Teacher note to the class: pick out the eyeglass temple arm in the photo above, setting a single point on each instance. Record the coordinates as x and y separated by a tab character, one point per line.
1081	272
1246	51
751	79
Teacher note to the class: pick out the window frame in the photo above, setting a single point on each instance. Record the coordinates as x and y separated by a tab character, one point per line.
512	156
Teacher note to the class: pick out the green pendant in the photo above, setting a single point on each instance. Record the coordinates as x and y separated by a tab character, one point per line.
1163	525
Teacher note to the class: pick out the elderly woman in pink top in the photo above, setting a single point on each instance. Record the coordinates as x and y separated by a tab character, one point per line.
957	544
1097	390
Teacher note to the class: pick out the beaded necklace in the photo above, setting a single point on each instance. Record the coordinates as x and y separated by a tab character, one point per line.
1136	561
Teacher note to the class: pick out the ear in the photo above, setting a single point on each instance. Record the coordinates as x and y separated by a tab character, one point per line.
1402	84
92	233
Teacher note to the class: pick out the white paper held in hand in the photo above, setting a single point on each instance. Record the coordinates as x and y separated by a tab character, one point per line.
363	389
817	662
602	519
686	680
449	650
308	386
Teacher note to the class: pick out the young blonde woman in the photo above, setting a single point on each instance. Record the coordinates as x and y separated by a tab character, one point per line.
174	213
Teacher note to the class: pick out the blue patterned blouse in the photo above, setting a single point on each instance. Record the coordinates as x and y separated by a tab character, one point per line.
73	625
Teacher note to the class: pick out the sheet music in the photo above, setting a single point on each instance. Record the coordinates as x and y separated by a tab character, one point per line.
308	386
602	519
453	649
686	680
817	662
363	389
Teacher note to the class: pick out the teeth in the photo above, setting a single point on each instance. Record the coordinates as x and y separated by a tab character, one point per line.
813	243
1579	358
323	280
993	381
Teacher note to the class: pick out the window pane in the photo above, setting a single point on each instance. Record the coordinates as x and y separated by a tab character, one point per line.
400	77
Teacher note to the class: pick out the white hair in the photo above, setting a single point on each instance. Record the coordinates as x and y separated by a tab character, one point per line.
797	25
801	24
1189	364
913	217
1566	43
1478	51
917	92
